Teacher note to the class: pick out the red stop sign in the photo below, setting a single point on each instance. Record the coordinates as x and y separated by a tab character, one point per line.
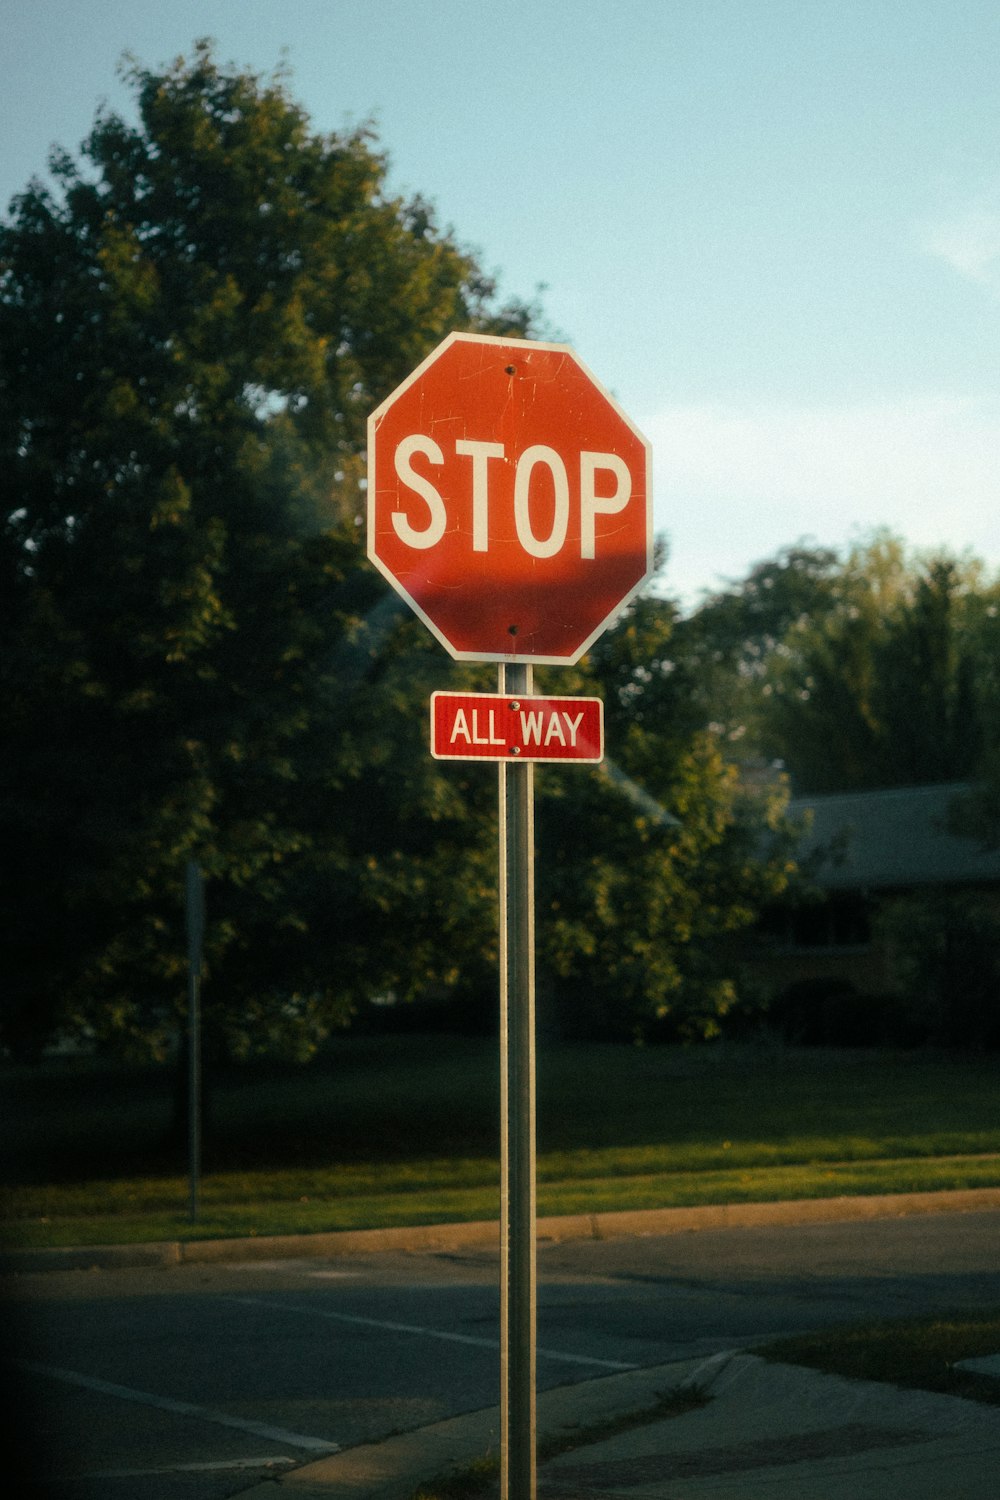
509	499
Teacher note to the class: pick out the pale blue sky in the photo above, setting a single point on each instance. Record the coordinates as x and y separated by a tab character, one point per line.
771	227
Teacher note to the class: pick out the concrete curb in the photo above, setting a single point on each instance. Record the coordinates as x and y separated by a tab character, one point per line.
392	1469
486	1233
769	1429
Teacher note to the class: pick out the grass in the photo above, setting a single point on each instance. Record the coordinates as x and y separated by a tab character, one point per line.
405	1130
918	1353
255	1204
479	1477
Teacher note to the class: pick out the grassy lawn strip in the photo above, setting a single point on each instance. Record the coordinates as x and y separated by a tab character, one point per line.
131	1211
919	1353
384	1131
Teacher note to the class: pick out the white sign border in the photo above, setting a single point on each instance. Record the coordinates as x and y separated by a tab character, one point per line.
529	658
510	758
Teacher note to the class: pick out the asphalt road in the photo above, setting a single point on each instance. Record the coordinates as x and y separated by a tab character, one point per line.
193	1382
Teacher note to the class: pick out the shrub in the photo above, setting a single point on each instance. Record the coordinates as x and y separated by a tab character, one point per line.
945	948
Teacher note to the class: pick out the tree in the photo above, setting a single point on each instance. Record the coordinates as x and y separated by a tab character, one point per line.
870	671
650	873
194	325
883	691
738	635
977	814
946	951
196	321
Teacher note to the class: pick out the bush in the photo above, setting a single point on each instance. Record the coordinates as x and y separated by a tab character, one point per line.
833	1013
945	947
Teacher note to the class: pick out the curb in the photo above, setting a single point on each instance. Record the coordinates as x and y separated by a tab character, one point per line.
393	1468
449	1237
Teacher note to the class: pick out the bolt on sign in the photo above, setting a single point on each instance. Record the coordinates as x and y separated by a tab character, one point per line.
509	500
494	726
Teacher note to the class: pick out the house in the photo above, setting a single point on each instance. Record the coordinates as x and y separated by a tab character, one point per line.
858	850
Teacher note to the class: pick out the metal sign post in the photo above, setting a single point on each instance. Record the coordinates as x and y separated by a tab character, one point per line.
517	1140
510	505
195	911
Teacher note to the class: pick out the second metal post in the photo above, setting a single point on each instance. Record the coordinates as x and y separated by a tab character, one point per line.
517	1086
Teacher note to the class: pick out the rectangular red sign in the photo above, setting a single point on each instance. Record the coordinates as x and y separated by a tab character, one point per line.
495	726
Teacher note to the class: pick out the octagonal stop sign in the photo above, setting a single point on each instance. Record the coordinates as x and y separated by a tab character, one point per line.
509	499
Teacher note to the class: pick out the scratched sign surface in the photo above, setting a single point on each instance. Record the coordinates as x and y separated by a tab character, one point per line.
509	499
495	726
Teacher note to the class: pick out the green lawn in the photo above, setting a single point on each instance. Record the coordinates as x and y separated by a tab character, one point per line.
405	1130
921	1353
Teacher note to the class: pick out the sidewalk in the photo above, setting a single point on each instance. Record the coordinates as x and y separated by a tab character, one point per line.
767	1430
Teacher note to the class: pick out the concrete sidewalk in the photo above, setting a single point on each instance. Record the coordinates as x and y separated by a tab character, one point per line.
766	1430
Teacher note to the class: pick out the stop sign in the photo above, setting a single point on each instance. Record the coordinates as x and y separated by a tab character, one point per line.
509	499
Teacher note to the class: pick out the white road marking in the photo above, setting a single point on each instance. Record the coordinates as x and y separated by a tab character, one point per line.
220	1466
423	1332
301	1266
181	1408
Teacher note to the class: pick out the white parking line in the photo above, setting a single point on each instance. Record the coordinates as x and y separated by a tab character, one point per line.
423	1332
180	1408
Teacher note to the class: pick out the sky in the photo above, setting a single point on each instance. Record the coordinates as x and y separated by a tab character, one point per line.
770	227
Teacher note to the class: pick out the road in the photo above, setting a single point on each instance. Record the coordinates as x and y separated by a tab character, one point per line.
193	1382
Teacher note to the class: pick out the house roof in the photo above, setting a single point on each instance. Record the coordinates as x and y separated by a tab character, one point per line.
894	839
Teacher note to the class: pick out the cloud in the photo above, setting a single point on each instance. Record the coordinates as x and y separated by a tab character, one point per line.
734	484
968	241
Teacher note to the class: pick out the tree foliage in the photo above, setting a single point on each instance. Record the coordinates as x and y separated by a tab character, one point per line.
195	321
946	947
652	870
738	635
870	671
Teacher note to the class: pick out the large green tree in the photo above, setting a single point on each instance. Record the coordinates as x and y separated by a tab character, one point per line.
871	670
738	635
653	870
195	320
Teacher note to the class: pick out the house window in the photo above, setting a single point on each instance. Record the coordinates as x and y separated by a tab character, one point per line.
842	921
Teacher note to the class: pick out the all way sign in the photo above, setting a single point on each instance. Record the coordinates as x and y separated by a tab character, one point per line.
495	726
